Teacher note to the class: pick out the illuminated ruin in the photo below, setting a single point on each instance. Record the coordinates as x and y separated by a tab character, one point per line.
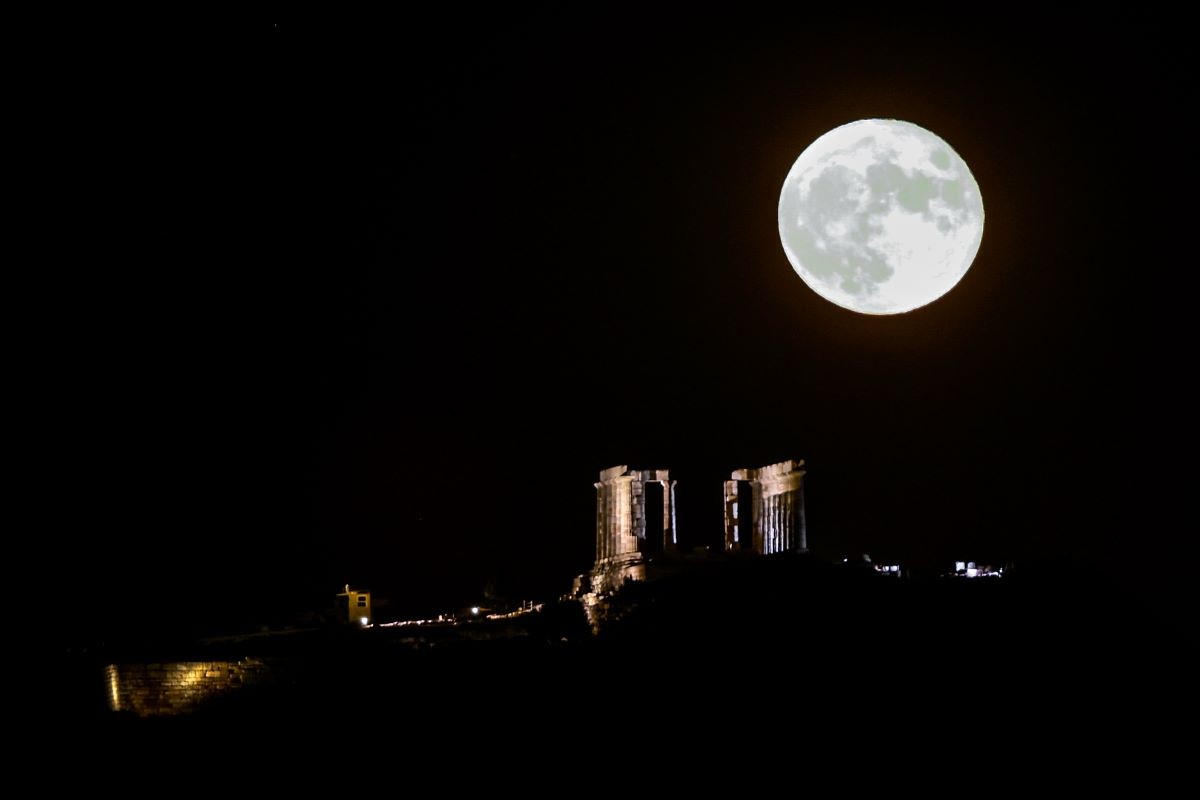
635	523
635	518
771	519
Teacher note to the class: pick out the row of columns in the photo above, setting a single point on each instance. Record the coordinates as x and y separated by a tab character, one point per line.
775	521
775	531
620	512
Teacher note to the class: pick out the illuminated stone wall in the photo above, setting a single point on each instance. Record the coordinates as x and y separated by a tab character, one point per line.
622	537
775	521
621	512
178	687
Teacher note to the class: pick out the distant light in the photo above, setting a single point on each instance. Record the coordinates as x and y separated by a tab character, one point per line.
972	572
959	566
970	565
364	621
475	610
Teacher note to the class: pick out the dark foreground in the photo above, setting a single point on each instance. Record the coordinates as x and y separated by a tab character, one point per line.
725	653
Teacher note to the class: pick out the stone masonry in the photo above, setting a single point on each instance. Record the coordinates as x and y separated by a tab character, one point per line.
623	540
774	522
179	687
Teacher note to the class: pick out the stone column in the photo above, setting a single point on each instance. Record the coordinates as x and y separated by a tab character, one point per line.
674	530
782	523
789	533
624	517
668	530
783	537
775	523
601	520
731	516
756	517
610	519
768	524
777	518
781	540
801	525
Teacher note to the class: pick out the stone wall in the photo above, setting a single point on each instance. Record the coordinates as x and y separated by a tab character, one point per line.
179	687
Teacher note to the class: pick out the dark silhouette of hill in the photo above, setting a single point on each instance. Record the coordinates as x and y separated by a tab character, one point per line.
732	644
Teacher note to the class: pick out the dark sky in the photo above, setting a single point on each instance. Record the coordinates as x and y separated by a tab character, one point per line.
380	299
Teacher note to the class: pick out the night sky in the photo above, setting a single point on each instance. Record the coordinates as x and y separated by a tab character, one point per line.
374	302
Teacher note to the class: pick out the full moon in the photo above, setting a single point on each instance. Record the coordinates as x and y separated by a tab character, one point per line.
880	216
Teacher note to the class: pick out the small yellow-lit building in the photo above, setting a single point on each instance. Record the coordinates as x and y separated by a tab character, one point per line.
354	607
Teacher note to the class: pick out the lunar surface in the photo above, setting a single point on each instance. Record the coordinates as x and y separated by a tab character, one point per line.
880	216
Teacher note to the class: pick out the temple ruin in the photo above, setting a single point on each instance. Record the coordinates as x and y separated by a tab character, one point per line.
635	523
775	519
635	518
